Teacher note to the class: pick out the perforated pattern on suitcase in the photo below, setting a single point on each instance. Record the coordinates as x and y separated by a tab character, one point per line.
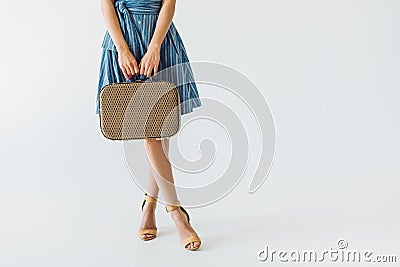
138	110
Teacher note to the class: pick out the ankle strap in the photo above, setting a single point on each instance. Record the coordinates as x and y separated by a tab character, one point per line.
150	198
173	206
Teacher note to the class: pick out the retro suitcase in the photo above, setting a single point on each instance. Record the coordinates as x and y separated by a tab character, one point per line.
139	110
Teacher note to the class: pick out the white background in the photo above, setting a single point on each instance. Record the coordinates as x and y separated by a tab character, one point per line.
330	72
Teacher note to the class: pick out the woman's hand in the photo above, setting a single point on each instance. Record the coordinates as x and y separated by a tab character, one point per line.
150	61
128	64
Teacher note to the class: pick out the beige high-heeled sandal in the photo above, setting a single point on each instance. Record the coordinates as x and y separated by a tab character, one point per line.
190	239
148	231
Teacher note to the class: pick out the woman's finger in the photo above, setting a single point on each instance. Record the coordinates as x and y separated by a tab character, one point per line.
128	68
128	73
125	73
131	69
155	70
146	68
148	72
135	68
142	68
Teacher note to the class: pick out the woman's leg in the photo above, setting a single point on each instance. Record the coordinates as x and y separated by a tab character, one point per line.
160	167
153	188
157	154
148	217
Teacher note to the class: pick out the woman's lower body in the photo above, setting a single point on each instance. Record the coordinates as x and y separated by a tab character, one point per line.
138	30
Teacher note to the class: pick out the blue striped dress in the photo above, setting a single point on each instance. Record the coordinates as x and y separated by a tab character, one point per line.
138	20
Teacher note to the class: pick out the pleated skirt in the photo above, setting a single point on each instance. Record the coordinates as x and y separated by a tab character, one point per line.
138	30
